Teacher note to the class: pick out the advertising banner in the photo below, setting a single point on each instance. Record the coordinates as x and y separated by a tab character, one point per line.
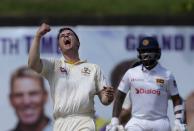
106	46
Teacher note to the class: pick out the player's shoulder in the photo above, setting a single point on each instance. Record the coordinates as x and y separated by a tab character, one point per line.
50	60
56	61
134	70
90	65
164	71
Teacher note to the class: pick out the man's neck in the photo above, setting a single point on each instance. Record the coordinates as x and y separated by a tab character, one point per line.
72	58
151	66
38	126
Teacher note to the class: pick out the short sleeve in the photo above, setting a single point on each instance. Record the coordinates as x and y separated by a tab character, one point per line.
100	79
47	68
173	90
127	101
124	85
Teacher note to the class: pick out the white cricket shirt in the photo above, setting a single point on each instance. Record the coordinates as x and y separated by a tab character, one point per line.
73	86
149	91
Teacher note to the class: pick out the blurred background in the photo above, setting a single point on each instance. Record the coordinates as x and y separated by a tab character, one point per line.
109	31
97	12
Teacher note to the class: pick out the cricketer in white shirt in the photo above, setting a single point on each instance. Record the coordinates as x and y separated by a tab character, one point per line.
150	91
73	87
150	86
73	82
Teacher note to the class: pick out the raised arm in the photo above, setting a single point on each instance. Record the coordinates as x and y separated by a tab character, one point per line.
34	61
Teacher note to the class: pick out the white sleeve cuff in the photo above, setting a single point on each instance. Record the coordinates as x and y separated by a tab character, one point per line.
115	121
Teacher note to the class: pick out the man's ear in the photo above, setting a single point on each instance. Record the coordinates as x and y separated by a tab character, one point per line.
78	45
45	96
11	99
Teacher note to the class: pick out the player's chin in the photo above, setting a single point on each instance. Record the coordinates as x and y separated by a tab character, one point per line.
106	103
110	100
67	48
29	120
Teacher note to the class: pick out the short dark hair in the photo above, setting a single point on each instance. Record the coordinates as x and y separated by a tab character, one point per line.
67	28
26	72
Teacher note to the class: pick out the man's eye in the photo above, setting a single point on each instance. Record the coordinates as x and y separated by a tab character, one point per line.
33	93
62	36
17	95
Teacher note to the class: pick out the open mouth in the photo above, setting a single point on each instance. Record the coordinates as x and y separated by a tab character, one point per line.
67	42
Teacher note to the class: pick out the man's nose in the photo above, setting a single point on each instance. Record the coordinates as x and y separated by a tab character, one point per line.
145	56
26	99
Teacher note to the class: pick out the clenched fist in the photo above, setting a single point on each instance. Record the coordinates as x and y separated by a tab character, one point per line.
43	29
108	95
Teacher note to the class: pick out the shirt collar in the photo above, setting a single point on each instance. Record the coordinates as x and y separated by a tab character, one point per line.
63	61
155	69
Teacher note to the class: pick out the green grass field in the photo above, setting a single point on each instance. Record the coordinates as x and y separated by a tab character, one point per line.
95	7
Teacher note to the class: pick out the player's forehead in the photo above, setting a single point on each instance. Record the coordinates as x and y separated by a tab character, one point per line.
67	31
26	84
